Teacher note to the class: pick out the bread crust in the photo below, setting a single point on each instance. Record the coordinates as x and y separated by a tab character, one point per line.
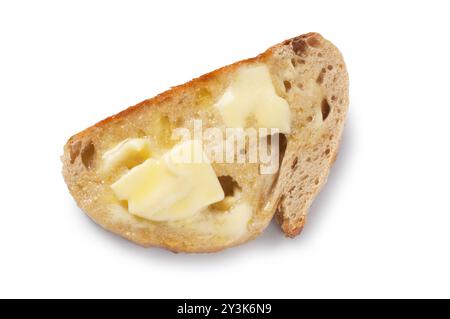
291	218
172	92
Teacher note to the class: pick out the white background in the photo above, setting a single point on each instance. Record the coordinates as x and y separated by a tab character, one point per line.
381	226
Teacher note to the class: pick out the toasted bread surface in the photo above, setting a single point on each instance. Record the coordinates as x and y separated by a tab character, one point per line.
307	71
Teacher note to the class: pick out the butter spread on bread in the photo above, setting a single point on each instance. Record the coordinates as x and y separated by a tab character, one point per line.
124	173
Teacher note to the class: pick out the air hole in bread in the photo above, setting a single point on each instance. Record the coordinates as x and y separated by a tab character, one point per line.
300	86
296	62
74	151
299	46
325	109
327	151
330	67
333	98
319	55
87	155
229	185
287	85
230	188
316	181
294	163
321	75
282	144
293	62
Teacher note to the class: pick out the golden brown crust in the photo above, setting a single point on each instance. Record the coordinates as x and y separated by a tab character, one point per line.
172	92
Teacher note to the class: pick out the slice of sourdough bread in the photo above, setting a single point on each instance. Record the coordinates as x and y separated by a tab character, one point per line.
308	72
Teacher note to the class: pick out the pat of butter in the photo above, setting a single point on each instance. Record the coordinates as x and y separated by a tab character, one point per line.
252	93
174	187
130	152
